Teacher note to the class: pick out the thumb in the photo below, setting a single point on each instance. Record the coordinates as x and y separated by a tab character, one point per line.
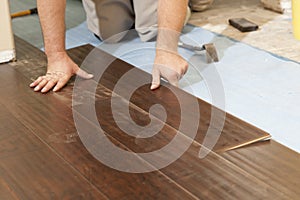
155	79
83	74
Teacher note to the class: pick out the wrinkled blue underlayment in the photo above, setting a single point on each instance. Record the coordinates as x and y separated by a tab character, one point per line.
260	88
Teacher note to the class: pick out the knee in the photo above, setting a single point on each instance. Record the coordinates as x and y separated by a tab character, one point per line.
147	33
113	28
112	36
200	5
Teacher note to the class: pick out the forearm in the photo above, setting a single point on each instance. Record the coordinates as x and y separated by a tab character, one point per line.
171	17
168	63
52	18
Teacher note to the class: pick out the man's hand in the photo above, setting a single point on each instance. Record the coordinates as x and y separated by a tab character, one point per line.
60	66
60	69
169	65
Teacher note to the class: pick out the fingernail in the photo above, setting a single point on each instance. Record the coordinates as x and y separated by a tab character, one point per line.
36	88
90	75
54	89
43	90
153	87
31	85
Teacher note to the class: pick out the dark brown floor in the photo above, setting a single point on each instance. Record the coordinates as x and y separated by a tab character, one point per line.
42	157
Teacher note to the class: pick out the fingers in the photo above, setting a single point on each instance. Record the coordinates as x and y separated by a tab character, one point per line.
83	74
48	86
170	66
155	78
36	82
44	83
40	85
50	80
167	73
56	79
61	83
162	71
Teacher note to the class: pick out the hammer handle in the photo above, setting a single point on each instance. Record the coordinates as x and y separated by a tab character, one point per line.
24	13
190	47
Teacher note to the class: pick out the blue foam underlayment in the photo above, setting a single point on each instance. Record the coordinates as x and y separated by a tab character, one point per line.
260	88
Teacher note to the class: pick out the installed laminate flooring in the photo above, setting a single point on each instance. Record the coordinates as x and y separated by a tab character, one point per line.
42	155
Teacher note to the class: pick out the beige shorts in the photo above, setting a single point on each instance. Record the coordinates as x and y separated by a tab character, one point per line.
108	18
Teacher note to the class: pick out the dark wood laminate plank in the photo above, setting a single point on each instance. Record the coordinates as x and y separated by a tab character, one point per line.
52	121
6	192
42	175
222	176
14	137
272	163
239	125
30	170
235	133
209	178
216	178
121	185
154	185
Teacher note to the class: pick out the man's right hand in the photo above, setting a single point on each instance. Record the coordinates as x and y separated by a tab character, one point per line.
169	65
60	69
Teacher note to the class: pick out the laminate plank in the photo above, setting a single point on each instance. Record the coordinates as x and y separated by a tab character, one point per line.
216	178
209	178
103	114
15	139
52	121
272	163
121	185
240	135
42	175
188	177
234	134
30	170
5	191
66	142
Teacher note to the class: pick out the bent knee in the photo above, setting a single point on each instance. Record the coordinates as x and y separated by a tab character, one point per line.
147	33
112	37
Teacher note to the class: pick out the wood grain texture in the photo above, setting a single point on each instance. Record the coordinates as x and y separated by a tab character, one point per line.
53	123
5	191
62	159
15	139
43	175
28	168
105	115
235	133
51	120
272	163
189	171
